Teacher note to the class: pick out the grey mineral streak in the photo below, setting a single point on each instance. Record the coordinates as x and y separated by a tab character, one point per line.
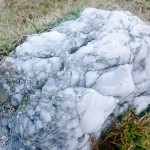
65	84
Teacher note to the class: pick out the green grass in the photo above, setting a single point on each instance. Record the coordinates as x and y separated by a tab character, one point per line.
128	132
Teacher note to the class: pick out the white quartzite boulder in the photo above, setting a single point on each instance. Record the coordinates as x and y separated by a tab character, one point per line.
66	83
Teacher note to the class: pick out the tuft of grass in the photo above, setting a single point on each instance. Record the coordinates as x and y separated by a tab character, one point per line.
128	132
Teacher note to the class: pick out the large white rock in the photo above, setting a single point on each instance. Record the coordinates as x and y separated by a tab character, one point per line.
118	82
94	109
66	83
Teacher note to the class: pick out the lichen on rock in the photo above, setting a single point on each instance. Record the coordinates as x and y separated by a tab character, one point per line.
67	82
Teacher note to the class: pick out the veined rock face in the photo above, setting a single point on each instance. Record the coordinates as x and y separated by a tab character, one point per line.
65	84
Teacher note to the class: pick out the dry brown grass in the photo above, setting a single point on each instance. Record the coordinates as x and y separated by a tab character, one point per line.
19	18
130	132
141	8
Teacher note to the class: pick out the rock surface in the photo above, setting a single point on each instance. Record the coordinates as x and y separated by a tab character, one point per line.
65	84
